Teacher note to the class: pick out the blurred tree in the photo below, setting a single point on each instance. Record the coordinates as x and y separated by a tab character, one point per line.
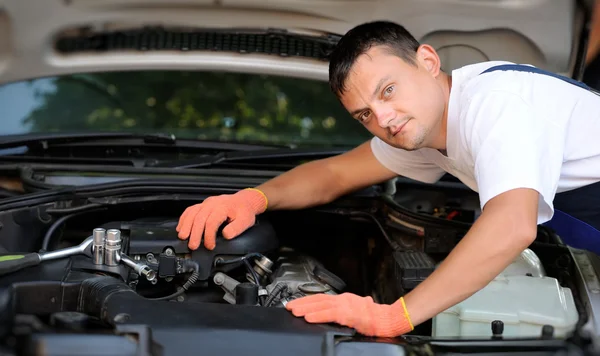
204	105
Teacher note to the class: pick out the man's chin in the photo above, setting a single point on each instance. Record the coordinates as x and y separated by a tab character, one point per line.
401	143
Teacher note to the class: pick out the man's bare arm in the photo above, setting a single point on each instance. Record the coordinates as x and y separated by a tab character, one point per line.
594	40
322	181
507	226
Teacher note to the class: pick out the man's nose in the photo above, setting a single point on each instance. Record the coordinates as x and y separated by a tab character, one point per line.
385	117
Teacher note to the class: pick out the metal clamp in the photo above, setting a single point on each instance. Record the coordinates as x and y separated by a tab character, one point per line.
139	268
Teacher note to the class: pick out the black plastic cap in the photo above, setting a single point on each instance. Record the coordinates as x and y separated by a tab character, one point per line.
497	327
72	321
547	331
246	293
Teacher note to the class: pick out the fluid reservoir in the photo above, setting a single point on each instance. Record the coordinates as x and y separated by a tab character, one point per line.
521	298
527	264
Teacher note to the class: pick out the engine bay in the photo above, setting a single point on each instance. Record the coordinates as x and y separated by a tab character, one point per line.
103	270
155	261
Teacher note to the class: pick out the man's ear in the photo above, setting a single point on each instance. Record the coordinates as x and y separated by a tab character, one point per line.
429	58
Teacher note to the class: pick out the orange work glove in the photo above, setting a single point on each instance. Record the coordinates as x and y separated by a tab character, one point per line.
351	310
205	219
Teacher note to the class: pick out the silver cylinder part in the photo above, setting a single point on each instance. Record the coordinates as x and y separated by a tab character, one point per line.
112	247
263	266
113	237
99	235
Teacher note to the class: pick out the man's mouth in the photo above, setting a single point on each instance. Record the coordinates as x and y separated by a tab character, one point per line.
395	132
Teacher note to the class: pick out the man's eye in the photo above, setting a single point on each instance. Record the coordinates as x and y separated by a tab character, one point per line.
364	116
388	91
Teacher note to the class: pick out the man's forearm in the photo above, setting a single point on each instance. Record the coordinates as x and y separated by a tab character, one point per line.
307	185
493	243
322	181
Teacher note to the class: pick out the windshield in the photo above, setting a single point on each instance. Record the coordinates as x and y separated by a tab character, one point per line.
221	106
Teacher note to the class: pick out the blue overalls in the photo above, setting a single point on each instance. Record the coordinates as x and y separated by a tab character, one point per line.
576	217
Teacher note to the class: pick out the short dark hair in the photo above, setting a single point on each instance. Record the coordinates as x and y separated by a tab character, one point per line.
359	40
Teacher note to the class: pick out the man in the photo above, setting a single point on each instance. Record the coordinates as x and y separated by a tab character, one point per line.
591	75
516	137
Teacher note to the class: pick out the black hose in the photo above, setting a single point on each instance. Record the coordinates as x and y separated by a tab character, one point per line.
279	289
261	298
53	227
244	259
94	294
195	274
392	244
252	272
75	209
50	232
238	259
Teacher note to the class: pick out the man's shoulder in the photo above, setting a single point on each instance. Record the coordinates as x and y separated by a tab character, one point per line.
477	68
476	94
485	99
475	80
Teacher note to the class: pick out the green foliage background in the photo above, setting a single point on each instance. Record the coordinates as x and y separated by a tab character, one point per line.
204	105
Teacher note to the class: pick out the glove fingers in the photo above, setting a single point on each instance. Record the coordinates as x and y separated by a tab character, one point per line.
216	218
304	309
186	221
239	224
325	316
198	229
316	298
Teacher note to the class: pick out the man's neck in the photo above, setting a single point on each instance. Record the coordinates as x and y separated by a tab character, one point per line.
440	142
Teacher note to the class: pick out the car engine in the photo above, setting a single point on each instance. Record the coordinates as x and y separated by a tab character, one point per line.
147	255
153	244
269	264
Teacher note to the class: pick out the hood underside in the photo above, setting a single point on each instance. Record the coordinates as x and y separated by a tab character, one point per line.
286	37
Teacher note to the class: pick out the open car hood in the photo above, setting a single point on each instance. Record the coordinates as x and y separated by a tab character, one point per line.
52	37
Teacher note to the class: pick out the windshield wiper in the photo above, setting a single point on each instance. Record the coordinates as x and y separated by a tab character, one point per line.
45	140
267	157
63	137
163	151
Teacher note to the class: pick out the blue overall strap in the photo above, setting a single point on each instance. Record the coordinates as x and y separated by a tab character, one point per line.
530	69
572	231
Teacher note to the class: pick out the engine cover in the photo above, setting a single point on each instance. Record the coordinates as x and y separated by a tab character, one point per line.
156	236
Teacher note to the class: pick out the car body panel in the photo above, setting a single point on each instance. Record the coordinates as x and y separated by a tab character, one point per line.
545	33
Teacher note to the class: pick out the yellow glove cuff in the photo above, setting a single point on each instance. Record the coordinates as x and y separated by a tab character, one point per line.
406	314
263	194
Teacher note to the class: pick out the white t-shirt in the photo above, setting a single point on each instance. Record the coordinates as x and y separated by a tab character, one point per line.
508	130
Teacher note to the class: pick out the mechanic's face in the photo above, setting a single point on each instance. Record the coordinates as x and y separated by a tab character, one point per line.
400	103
